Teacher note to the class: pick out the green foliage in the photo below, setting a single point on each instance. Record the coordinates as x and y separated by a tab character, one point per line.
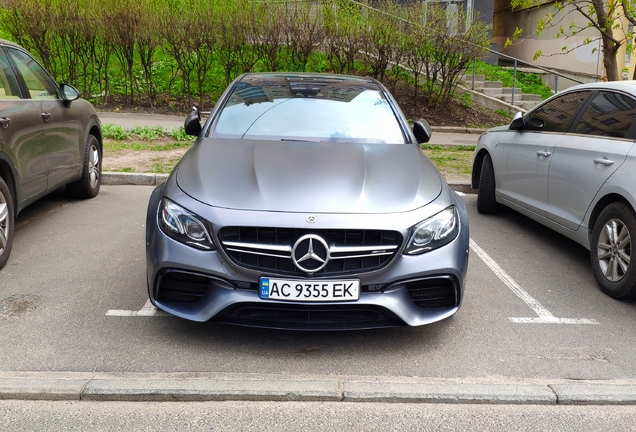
177	52
180	134
466	100
147	133
114	132
504	113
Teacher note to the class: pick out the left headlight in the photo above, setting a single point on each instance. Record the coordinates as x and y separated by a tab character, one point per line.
184	226
434	232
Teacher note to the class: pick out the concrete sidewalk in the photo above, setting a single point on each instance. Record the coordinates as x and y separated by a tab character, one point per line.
166	387
441	136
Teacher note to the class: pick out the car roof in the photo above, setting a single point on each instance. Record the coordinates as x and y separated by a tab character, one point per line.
626	86
299	78
7	42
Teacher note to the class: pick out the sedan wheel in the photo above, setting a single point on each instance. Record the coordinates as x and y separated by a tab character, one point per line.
611	251
6	223
486	201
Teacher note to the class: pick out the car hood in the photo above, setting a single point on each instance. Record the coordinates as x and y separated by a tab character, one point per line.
314	177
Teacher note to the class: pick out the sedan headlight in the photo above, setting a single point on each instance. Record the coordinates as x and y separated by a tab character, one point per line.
434	232
184	226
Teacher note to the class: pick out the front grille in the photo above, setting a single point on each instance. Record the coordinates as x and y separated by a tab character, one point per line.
270	249
315	317
433	293
182	287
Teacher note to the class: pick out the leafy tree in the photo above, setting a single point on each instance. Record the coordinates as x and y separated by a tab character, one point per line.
603	15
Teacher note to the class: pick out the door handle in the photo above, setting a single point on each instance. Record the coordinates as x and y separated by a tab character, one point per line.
4	121
544	153
46	116
603	161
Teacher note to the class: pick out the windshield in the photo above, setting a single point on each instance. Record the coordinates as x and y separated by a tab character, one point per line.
308	109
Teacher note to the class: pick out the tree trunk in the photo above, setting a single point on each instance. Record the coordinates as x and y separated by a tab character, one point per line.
610	47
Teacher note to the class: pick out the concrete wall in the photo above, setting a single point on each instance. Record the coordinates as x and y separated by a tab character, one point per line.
583	60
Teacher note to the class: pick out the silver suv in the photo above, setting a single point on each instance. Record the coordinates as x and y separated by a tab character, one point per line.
49	138
570	164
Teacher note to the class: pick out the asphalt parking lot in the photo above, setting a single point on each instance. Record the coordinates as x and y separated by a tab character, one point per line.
73	300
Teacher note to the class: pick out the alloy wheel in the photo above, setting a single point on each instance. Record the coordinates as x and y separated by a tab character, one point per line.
93	166
4	222
614	250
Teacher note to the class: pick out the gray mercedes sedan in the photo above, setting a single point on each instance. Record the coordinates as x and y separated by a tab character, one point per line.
570	164
306	203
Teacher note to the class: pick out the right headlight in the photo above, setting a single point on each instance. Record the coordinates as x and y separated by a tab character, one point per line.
184	226
434	232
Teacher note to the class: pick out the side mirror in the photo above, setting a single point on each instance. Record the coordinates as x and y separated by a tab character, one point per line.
422	131
518	122
69	94
192	123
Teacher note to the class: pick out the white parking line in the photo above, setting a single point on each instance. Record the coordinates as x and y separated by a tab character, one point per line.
147	310
545	317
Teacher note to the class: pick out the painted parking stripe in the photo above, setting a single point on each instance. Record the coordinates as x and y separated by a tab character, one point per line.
147	310
544	315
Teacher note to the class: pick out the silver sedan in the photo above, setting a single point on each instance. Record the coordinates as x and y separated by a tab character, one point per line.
570	164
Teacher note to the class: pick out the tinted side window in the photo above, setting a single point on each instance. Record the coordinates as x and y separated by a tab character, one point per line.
610	114
557	114
37	80
9	88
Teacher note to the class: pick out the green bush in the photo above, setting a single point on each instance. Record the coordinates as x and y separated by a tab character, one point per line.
178	52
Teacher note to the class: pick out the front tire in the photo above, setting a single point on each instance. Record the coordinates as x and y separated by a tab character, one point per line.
88	185
611	251
7	218
486	202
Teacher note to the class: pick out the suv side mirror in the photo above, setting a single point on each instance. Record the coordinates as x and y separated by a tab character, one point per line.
192	123
69	94
422	131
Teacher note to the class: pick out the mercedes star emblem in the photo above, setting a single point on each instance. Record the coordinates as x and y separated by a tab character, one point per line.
310	253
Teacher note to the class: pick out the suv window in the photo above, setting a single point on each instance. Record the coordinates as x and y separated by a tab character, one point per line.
610	114
38	82
9	88
557	114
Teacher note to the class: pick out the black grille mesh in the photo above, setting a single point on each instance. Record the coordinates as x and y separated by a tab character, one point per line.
433	293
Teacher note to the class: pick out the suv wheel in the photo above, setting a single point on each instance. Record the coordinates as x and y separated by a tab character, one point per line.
611	251
88	185
7	216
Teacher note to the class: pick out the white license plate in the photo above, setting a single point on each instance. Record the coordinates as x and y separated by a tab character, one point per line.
309	290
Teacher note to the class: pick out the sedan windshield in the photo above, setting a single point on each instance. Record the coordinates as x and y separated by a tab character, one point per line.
309	109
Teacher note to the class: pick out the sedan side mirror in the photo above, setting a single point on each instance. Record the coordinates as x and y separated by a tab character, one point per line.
192	123
518	122
422	131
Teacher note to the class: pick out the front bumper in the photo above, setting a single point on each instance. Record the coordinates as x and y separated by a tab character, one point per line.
206	285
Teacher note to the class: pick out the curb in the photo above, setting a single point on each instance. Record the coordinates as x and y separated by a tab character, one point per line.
120	179
458	129
166	387
124	178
